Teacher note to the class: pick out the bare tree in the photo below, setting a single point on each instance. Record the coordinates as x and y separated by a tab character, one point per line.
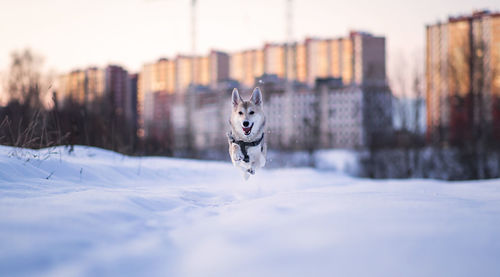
471	104
399	86
417	91
24	79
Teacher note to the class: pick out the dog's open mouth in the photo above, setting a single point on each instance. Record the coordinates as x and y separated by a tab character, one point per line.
247	130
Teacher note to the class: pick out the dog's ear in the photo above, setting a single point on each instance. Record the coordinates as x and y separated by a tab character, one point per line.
257	96
236	97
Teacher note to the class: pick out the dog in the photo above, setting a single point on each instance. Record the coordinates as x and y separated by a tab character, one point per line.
247	146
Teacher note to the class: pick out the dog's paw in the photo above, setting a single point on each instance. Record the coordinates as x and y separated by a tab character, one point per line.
239	157
246	176
251	171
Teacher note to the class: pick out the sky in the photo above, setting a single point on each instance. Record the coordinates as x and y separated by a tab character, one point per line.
77	34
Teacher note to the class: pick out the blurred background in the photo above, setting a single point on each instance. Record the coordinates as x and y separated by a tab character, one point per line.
409	89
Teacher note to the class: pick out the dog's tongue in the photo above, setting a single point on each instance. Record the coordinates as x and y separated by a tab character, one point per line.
247	130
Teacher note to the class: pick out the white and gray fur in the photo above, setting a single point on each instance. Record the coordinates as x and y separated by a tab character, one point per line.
252	112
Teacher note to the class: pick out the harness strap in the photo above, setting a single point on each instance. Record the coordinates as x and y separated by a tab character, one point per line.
243	145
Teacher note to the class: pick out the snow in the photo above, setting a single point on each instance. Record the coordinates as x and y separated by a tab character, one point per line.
98	213
341	160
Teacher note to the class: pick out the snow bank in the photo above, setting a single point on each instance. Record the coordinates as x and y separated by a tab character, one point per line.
98	213
340	160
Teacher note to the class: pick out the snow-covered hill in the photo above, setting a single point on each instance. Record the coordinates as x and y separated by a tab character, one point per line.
97	213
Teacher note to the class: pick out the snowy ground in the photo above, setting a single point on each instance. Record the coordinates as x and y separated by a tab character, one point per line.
96	213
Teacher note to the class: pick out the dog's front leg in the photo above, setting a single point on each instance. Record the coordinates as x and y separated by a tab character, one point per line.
240	159
236	154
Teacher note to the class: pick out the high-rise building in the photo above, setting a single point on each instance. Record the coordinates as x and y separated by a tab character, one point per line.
76	86
95	84
237	66
253	66
347	65
218	67
334	58
369	59
274	59
202	70
154	77
159	76
144	87
116	89
161	127
317	59
184	70
131	101
301	62
358	58
81	86
62	89
462	75
246	66
167	76
211	69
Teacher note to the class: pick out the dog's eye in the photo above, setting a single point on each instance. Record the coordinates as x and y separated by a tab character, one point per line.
251	112
240	113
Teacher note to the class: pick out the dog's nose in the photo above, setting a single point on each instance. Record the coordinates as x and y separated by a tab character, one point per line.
245	123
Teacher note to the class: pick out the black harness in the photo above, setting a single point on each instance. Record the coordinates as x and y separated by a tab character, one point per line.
243	145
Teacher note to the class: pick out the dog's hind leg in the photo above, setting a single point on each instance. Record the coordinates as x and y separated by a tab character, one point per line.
262	157
246	175
262	161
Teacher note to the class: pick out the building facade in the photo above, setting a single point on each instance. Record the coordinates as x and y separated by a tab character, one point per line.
462	76
175	77
358	58
81	86
117	89
93	86
173	98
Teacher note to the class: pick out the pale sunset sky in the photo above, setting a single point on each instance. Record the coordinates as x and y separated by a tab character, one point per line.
77	34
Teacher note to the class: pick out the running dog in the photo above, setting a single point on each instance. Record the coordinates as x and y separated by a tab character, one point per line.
247	146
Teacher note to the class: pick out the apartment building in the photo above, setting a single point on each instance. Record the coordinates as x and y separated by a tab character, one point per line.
358	58
219	67
274	59
81	86
117	89
95	84
462	76
175	77
92	85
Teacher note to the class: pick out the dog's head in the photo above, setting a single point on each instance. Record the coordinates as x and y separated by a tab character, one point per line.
247	116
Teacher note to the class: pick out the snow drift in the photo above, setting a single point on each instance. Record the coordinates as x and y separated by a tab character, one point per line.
98	213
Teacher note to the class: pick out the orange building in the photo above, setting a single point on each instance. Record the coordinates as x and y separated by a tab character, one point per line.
274	59
357	58
95	85
462	62
76	86
158	76
301	62
237	66
347	61
246	66
184	73
174	77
